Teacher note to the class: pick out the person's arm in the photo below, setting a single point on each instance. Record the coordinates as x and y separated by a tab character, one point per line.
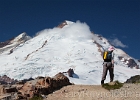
112	60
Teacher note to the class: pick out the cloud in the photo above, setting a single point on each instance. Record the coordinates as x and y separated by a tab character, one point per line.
76	31
116	42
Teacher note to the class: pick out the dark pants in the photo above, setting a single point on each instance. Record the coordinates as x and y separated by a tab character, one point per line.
108	66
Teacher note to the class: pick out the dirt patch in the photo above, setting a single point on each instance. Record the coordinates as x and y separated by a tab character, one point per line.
96	92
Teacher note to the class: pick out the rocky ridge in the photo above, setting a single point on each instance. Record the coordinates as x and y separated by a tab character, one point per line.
13	43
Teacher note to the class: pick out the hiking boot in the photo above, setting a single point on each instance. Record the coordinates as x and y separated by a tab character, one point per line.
111	80
102	82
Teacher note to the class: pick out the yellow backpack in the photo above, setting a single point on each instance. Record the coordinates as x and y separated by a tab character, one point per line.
107	56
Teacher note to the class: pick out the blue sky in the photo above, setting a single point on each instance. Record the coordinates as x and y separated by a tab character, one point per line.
116	20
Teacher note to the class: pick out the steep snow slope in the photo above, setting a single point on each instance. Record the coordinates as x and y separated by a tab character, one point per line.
58	49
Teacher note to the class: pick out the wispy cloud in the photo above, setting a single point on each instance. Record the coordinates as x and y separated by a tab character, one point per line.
124	36
116	42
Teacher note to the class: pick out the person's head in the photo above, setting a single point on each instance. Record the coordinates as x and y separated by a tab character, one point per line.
111	48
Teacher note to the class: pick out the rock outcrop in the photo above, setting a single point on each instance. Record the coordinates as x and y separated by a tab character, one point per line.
42	86
2	44
133	79
7	80
62	24
130	62
29	88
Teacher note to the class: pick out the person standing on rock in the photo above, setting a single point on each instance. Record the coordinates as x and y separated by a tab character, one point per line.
108	64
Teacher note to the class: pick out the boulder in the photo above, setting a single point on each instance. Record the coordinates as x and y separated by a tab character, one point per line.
70	72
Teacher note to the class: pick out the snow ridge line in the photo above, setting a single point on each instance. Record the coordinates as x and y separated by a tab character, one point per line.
36	50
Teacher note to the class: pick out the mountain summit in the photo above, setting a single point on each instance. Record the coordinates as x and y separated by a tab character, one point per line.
69	45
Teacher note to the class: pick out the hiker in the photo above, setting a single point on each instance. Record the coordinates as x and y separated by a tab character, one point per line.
108	64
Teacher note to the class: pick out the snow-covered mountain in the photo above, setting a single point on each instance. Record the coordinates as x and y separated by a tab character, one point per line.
70	45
